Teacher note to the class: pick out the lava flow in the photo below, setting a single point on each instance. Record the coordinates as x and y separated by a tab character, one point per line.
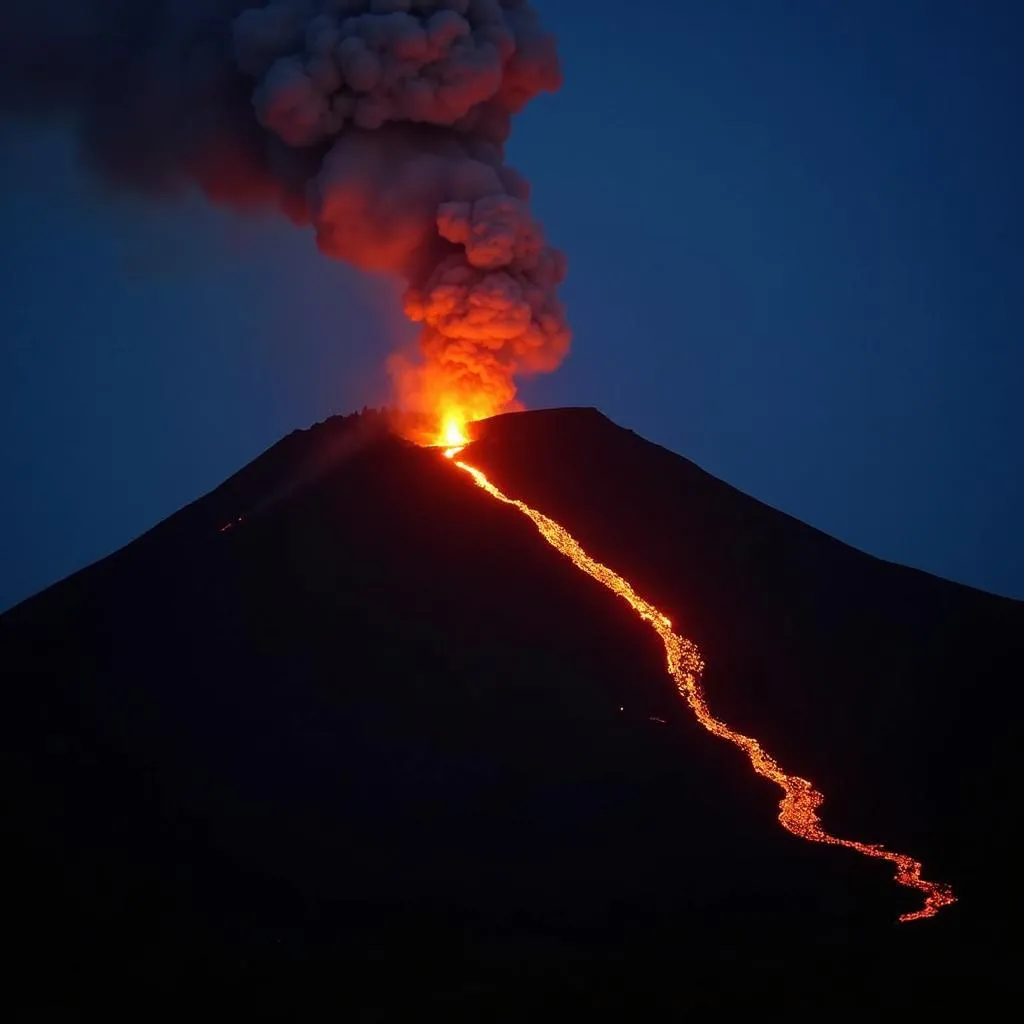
798	808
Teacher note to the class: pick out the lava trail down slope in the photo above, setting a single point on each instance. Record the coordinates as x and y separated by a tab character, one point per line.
798	809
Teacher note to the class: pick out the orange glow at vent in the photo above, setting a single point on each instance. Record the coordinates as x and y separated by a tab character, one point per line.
798	808
453	433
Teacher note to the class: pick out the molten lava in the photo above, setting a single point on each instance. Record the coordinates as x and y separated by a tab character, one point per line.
798	808
453	435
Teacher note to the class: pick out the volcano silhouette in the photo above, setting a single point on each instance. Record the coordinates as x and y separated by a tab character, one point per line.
347	729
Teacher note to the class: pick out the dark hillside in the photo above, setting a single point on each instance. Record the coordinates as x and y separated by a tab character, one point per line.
377	742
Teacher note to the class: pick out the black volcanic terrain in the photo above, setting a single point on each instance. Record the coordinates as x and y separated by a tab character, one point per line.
347	731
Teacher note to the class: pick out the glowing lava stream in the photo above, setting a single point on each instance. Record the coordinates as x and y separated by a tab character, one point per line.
800	801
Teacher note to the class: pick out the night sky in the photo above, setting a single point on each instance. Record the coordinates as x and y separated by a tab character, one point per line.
796	244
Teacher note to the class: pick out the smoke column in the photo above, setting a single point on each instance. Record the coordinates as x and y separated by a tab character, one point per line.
380	122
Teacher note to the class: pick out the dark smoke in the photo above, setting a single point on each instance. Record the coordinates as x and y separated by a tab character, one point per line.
380	122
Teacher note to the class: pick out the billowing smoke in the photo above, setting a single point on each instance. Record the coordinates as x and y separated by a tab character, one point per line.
381	122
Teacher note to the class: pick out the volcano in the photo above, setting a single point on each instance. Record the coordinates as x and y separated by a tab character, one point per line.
347	730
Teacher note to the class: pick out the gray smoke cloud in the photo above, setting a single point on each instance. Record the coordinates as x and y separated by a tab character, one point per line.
380	122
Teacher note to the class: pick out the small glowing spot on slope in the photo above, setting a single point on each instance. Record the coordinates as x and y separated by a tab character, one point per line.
800	800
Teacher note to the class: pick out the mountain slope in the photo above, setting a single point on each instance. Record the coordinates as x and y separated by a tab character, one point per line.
347	709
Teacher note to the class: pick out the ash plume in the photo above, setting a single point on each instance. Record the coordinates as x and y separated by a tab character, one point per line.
380	122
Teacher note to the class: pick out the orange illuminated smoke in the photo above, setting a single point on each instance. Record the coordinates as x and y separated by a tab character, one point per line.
798	808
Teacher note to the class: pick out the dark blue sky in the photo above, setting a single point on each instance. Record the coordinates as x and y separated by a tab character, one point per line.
796	243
